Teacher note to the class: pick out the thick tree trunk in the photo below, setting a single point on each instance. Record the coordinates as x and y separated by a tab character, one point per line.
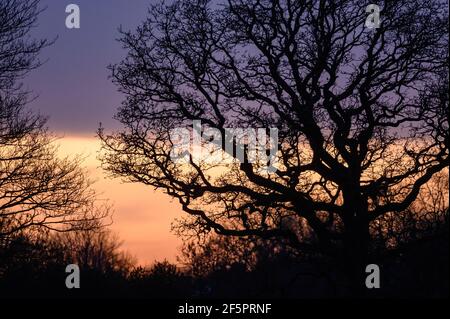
356	244
356	255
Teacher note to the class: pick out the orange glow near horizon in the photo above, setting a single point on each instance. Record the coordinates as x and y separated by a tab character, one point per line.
142	216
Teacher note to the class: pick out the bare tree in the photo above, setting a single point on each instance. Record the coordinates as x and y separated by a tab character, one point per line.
18	56
201	258
37	187
356	109
427	218
98	250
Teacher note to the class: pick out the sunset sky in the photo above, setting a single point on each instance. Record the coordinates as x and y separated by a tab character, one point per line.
73	89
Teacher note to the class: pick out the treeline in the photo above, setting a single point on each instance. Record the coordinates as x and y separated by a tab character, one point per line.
33	265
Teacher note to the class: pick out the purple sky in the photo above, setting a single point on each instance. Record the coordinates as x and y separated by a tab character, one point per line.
73	86
73	89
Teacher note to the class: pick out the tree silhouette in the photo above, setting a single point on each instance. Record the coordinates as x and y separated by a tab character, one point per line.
94	249
33	263
37	187
360	113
